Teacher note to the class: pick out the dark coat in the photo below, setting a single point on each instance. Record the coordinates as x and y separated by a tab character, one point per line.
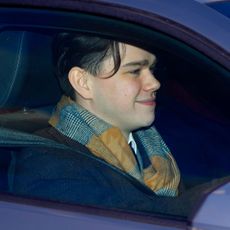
76	176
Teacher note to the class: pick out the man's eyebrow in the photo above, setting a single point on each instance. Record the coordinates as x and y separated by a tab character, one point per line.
137	63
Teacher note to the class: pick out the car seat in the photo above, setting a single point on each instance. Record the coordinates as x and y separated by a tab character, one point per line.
28	88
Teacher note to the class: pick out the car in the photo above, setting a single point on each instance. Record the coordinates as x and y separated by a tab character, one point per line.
191	41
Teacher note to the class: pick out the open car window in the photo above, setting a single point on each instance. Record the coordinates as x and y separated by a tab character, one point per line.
192	114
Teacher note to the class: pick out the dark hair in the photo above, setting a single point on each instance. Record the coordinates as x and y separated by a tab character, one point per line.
85	51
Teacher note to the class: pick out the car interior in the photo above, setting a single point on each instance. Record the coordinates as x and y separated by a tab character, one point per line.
185	117
26	99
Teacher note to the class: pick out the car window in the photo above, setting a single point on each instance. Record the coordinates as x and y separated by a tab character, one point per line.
192	116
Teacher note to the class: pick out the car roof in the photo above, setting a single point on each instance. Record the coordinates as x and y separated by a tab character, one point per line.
188	13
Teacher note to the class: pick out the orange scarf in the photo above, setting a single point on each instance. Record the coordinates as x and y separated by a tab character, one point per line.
107	142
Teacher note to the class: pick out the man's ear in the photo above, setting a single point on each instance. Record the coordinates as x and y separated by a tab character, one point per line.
79	79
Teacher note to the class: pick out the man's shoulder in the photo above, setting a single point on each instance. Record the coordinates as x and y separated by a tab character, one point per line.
54	134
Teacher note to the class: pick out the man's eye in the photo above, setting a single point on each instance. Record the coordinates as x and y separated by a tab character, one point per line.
135	72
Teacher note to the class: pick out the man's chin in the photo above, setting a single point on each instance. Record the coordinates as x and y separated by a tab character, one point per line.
146	123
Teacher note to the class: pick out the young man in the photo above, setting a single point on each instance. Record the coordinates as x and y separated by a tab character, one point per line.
108	105
112	93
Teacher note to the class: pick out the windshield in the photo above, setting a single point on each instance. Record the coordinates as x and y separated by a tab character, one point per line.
222	6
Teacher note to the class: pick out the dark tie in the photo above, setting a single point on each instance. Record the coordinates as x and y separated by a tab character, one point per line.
137	157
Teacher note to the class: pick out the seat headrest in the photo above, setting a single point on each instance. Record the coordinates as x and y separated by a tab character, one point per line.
26	73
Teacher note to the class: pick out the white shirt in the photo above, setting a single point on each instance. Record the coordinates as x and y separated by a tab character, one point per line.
133	143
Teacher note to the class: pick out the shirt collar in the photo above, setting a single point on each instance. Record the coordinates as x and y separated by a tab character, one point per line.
132	142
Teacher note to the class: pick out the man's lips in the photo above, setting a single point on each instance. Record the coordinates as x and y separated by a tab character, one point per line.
148	102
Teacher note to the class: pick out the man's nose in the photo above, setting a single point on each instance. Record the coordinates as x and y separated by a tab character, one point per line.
150	82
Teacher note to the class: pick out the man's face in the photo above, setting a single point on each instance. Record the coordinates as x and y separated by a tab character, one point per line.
127	99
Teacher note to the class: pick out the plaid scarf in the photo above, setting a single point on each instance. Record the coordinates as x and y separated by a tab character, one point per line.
107	142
